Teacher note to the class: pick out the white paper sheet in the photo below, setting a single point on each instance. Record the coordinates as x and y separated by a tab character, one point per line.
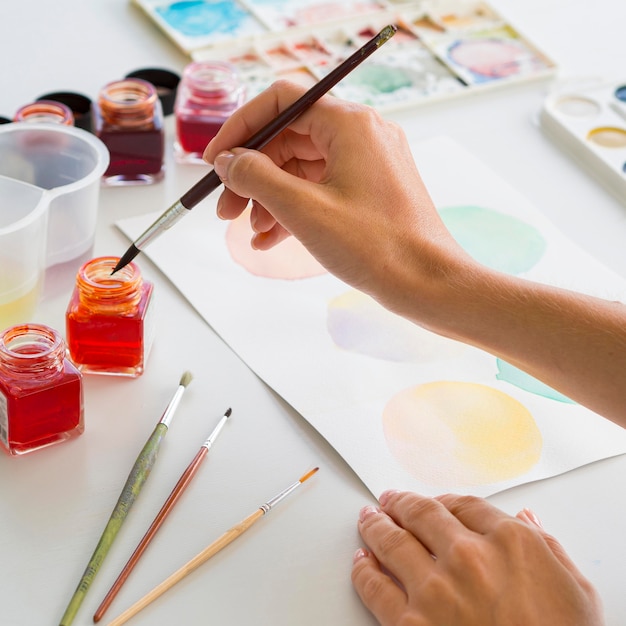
405	408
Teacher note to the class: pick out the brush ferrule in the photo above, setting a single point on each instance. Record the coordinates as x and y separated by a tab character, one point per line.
172	406
270	504
164	222
216	431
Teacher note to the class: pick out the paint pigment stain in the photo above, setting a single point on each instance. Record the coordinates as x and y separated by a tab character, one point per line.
522	380
499	241
289	260
489	58
461	433
196	18
357	323
380	78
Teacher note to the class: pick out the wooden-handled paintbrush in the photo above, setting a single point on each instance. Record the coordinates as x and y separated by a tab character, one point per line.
134	483
228	537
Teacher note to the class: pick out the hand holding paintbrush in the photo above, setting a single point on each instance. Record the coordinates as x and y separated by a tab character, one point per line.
134	483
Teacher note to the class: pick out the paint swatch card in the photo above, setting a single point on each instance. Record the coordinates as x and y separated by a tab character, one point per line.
442	49
405	408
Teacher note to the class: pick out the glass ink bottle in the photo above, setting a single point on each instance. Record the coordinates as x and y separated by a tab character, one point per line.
207	95
128	119
110	319
45	111
41	393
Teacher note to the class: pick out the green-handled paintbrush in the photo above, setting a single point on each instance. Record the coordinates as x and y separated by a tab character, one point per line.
134	483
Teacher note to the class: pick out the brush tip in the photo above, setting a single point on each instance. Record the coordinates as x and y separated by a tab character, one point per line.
126	258
309	474
185	379
228	412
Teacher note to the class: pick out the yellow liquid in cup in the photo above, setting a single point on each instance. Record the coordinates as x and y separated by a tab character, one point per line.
17	306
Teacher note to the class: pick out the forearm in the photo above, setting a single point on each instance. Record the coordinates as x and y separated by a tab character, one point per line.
573	342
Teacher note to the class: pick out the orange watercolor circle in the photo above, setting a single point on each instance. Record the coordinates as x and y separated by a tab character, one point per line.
457	433
289	260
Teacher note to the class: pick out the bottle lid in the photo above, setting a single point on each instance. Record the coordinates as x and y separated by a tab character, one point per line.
79	104
165	82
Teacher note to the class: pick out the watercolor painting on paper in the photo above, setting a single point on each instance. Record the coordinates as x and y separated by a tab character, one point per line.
405	408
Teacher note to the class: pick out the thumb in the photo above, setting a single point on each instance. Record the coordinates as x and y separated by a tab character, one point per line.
553	544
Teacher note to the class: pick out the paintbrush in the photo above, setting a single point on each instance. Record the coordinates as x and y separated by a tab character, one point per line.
211	181
134	483
228	537
180	486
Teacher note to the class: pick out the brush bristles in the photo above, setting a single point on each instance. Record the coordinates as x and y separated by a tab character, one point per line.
185	379
308	475
228	412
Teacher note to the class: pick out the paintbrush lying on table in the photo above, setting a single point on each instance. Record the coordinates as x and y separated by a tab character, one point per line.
134	483
212	549
179	488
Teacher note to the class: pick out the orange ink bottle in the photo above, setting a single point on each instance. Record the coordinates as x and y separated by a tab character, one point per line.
41	393
110	319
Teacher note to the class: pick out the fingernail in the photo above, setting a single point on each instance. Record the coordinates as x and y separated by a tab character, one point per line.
222	163
220	205
361	553
385	495
530	515
368	511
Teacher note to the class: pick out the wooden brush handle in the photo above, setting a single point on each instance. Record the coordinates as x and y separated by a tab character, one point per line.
228	537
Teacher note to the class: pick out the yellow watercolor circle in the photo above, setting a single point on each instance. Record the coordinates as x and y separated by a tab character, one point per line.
457	433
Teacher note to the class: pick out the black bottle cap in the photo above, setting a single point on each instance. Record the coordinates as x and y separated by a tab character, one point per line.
165	82
77	102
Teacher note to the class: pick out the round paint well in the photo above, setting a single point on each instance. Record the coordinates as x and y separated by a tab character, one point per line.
608	137
489	58
620	93
576	106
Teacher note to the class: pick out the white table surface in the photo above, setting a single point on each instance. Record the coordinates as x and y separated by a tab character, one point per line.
293	568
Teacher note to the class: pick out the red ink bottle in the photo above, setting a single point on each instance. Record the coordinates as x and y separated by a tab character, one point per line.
207	95
128	119
41	393
45	111
110	319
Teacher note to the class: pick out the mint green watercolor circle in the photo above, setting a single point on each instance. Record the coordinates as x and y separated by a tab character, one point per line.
495	239
510	374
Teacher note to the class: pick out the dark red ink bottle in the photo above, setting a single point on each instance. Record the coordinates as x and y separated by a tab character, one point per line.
41	394
207	95
110	319
128	119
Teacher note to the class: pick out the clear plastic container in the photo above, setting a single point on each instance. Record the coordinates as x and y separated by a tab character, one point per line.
23	234
65	165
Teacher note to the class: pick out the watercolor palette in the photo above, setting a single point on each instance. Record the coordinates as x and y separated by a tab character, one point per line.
443	48
589	123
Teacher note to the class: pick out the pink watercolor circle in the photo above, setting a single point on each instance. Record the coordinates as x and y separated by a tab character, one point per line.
289	260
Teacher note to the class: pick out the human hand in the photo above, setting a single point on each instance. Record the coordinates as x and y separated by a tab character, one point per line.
343	181
455	560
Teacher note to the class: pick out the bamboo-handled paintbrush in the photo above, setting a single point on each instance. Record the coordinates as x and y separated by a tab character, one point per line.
134	483
228	537
177	491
